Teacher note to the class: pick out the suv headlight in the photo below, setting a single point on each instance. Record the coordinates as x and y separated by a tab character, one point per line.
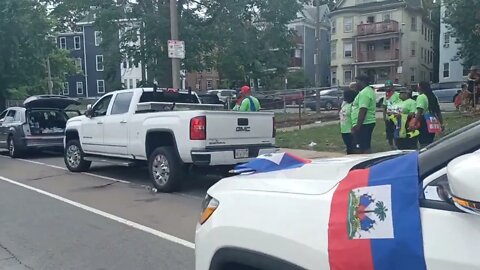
209	206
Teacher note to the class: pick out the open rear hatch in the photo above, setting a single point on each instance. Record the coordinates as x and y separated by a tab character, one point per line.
46	114
49	102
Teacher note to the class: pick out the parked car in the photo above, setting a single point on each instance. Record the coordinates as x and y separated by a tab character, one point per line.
209	99
292	98
224	94
329	99
446	92
280	219
380	90
39	124
170	130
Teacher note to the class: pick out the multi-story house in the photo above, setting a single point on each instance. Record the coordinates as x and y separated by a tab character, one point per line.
202	80
387	40
304	54
451	67
86	50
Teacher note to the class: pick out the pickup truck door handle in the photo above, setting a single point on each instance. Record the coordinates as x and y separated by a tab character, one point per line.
123	122
100	123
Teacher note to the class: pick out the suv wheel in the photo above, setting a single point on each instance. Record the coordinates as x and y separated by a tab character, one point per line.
166	170
329	106
74	157
13	151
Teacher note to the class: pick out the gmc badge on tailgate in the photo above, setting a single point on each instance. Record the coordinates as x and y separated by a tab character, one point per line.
243	129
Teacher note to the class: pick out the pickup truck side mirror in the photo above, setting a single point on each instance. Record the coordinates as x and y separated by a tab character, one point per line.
89	107
88	113
462	175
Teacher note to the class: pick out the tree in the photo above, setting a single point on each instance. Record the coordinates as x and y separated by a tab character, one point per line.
25	44
463	16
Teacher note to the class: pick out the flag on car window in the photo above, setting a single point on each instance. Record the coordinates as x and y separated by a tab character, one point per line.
375	218
271	162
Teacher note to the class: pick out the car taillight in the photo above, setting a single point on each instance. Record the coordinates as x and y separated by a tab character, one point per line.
198	128
274	131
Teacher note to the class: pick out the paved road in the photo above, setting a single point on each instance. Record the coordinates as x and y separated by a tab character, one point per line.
41	232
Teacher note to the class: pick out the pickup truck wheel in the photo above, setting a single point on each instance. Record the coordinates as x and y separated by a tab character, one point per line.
166	170
74	157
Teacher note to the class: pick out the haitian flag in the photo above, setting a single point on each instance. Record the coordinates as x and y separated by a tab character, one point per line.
375	218
271	162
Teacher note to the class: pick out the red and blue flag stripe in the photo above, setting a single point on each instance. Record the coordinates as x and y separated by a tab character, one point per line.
375	218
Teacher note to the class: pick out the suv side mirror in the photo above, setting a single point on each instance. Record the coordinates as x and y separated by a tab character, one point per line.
462	175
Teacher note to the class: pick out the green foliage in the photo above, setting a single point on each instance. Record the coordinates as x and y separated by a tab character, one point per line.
464	18
25	44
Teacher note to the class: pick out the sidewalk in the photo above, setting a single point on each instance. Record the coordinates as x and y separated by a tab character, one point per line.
309	154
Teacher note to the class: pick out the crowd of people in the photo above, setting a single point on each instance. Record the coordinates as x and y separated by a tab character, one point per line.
409	123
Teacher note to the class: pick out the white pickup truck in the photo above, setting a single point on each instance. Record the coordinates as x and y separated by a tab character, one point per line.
170	130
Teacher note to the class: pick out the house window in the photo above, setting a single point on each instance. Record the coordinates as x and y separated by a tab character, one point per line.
333	49
98	38
137	82
209	70
334	27
446	40
125	84
130	81
413	51
412	74
78	64
347	76
386	45
446	70
348	24
370	19
421	52
101	86
79	88
209	84
77	43
414	24
66	89
124	64
424	75
347	50
334	77
423	29
298	54
386	17
100	66
63	43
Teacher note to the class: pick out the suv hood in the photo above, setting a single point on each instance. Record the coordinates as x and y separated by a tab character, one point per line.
49	102
317	177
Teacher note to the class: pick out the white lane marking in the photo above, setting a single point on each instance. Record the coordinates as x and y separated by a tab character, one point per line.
65	169
185	195
127	222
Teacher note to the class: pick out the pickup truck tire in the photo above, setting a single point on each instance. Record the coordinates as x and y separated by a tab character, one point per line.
74	157
166	170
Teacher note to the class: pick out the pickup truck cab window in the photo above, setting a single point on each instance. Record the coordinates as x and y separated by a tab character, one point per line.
122	102
101	107
10	116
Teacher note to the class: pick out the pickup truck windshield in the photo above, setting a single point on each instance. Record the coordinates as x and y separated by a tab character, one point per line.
169	97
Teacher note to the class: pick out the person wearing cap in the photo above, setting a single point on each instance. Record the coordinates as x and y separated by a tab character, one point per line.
390	101
249	103
407	107
363	114
474	84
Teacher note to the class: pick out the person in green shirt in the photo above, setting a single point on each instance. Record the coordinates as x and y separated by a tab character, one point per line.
346	120
390	101
249	102
406	111
363	114
427	102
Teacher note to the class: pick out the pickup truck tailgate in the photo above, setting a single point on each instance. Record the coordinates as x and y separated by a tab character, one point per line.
237	128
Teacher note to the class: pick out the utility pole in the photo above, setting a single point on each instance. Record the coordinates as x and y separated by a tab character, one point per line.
50	83
318	54
174	36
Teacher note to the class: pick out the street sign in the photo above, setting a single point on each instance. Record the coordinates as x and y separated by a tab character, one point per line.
176	49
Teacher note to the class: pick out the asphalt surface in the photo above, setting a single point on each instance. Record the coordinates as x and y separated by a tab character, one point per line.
106	219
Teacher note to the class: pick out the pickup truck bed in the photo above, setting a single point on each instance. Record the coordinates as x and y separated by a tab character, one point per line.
128	127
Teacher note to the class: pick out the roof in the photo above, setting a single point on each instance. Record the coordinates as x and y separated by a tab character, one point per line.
87	20
410	3
309	14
